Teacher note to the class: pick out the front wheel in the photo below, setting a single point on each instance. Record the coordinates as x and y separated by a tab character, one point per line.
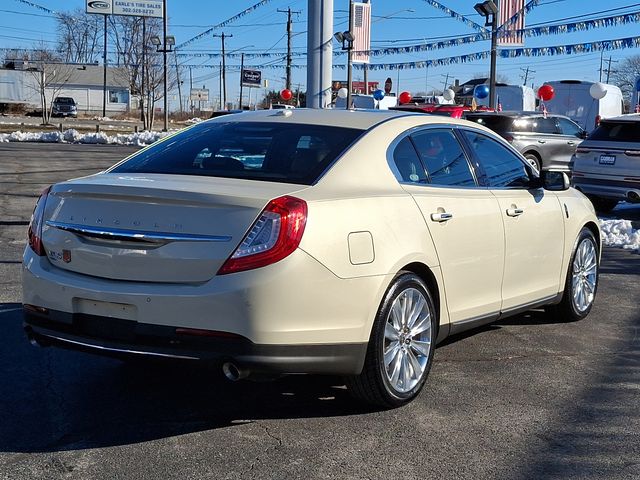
582	280
401	345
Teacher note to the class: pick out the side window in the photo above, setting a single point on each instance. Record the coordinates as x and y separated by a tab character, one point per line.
444	158
408	163
545	125
567	127
501	166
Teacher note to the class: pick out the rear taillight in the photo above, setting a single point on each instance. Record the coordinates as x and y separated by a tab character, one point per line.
598	118
507	137
35	225
273	236
582	150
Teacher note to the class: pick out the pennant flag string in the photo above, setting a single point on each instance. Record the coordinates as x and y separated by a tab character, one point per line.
456	15
225	23
39	7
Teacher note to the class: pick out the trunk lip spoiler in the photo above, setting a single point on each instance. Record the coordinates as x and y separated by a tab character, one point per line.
134	235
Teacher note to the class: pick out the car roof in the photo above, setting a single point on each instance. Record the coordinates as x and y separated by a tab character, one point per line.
516	114
360	118
629	117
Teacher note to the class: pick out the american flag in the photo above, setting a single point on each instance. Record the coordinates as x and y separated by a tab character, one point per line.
507	9
361	31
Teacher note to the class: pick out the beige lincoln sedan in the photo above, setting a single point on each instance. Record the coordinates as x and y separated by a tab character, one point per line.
306	241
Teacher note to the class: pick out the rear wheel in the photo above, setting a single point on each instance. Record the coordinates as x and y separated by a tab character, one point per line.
603	204
401	345
582	280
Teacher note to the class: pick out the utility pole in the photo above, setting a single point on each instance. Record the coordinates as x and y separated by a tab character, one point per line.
220	84
104	71
526	75
223	72
144	61
350	57
190	90
241	70
288	11
609	67
446	81
601	57
175	54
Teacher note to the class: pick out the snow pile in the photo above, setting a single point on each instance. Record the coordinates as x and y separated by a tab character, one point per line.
101	119
73	136
193	120
620	233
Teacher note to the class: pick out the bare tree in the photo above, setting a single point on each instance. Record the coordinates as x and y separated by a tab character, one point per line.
137	56
625	77
500	77
80	36
50	75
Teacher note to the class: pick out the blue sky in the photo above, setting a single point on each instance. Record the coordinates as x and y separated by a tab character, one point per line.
395	23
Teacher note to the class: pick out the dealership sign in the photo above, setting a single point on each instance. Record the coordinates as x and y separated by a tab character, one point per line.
138	8
251	78
199	95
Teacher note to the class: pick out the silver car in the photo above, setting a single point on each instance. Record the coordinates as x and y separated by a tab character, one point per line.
546	141
607	163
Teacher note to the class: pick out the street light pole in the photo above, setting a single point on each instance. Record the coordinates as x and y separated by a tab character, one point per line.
164	57
350	57
494	55
104	71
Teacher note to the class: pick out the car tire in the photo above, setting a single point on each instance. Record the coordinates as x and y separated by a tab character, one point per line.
581	284
401	346
603	205
533	160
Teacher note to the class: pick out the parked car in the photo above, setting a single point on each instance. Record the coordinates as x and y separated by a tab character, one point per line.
64	107
607	164
453	111
307	241
546	141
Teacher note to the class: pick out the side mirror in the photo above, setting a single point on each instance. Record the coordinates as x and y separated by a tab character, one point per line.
583	134
554	181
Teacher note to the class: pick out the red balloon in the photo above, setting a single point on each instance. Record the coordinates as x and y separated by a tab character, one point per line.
546	92
286	94
405	97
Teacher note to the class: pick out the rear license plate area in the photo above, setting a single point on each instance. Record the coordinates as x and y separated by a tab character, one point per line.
105	328
607	159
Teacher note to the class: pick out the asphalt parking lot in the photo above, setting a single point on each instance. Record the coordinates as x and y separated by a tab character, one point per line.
524	398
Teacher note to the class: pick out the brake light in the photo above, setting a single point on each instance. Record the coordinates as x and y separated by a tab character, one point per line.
507	137
582	150
598	118
274	235
35	224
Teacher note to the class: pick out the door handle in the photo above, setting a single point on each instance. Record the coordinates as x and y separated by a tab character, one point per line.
514	212
542	141
571	142
441	216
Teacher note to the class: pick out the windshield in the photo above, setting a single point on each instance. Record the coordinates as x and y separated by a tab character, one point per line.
276	152
616	131
64	100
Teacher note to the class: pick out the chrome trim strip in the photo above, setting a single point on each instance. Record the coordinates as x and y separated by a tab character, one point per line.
133	236
118	350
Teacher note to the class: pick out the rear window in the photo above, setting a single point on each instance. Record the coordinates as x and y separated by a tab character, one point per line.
275	152
616	132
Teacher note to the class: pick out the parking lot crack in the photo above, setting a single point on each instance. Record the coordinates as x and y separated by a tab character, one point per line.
278	445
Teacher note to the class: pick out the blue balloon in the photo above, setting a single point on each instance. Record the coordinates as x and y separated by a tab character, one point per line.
481	91
378	94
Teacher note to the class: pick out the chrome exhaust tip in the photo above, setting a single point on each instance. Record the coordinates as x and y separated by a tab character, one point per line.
233	372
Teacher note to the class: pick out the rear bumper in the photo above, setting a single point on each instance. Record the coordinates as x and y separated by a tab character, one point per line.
608	188
125	339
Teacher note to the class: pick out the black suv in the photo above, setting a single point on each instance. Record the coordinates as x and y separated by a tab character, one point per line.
546	141
64	107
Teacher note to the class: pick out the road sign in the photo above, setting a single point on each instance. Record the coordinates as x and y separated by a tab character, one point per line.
136	8
251	78
199	95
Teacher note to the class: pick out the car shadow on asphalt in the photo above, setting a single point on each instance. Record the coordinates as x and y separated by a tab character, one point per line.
57	400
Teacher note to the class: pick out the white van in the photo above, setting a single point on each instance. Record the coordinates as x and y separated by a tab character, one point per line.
367	101
513	98
572	99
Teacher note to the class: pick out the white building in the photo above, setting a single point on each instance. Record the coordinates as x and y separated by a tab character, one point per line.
84	83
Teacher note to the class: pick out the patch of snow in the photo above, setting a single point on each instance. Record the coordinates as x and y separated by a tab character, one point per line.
73	136
620	233
193	120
